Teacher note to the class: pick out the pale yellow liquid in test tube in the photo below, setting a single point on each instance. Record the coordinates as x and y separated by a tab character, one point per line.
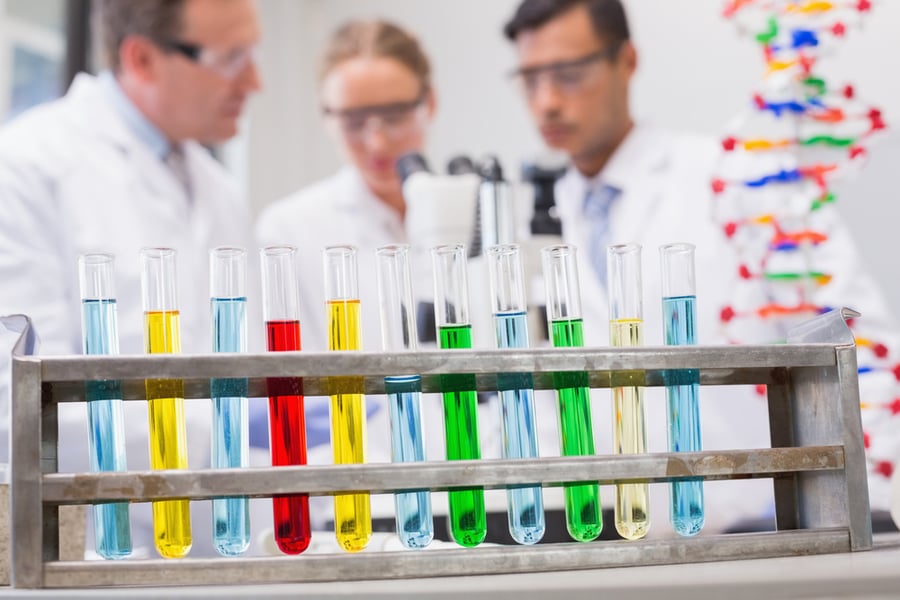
352	512
168	437
630	437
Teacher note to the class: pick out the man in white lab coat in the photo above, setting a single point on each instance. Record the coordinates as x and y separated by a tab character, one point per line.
118	164
631	183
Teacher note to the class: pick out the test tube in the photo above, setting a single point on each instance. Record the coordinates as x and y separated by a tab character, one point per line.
287	423
168	436
106	422
230	436
352	512
584	518
415	525
468	522
679	316
626	322
507	282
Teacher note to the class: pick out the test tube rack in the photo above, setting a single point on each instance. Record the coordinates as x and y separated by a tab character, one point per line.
816	461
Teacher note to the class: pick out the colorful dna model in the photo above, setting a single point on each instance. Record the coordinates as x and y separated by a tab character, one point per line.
774	189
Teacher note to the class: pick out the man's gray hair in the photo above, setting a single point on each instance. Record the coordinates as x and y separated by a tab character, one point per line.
156	20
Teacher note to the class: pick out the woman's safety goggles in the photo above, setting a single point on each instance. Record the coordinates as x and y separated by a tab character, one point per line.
395	120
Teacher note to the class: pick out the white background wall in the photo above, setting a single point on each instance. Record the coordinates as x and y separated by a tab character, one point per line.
696	73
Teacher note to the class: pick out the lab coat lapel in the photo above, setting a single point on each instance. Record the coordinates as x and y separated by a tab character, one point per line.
639	170
151	173
202	183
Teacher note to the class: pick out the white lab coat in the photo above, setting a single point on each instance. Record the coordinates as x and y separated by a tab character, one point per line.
665	182
75	179
341	210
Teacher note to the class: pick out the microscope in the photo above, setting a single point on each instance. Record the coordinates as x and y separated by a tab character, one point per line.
475	205
545	229
440	209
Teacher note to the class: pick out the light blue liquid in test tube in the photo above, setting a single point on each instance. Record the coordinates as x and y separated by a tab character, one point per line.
414	518
525	503
230	434
106	422
682	390
415	525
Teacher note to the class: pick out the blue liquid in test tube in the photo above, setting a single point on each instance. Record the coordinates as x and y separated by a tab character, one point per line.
679	318
415	525
106	422
525	503
414	518
230	434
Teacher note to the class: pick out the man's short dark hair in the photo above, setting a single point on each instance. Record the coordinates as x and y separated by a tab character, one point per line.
607	16
157	20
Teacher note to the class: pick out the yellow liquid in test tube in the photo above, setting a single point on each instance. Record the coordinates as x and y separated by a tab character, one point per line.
352	512
168	437
630	437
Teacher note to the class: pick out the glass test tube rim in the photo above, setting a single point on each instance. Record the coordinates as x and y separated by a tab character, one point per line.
277	250
678	271
393	254
288	305
228	251
157	251
625	295
444	288
559	250
679	247
445	249
344	248
346	286
504	249
569	307
97	260
516	296
162	279
392	250
230	255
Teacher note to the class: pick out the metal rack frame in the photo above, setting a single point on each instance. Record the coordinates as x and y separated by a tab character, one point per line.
817	459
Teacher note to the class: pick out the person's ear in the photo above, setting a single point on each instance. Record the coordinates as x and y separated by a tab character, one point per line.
627	57
431	103
140	58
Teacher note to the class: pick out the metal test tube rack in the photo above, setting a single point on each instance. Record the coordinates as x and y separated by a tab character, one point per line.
817	461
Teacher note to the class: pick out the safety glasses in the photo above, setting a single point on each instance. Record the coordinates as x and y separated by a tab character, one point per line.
227	63
395	120
568	77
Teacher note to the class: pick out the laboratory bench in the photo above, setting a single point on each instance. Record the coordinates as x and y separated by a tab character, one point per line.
867	575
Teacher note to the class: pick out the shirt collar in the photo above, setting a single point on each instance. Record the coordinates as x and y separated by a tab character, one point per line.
134	119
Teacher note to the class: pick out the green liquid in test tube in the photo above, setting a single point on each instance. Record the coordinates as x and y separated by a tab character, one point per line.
468	523
584	518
